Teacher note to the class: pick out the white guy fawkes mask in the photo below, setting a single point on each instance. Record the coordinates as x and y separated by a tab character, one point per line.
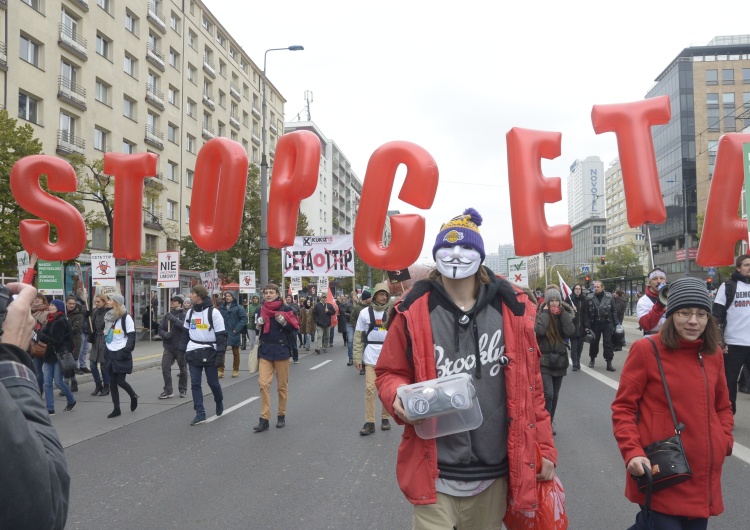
457	262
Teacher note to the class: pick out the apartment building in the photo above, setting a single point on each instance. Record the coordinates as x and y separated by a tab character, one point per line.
163	76
333	208
619	232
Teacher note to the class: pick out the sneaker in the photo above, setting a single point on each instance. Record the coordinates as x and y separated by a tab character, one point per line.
51	412
70	407
165	395
235	373
219	408
199	418
295	362
183	393
385	425
369	428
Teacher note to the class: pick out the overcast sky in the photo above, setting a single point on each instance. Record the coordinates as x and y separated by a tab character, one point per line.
454	77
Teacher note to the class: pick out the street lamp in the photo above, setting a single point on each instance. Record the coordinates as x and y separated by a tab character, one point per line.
264	178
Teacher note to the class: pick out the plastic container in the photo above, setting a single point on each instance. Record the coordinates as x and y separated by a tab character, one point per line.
448	404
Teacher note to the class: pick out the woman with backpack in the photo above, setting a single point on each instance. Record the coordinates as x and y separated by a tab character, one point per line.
119	336
58	337
99	347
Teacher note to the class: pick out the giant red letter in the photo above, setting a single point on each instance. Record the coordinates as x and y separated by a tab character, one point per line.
129	172
529	190
218	194
407	230
24	185
632	122
295	177
722	227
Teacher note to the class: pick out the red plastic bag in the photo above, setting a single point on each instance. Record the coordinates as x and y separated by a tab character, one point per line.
550	513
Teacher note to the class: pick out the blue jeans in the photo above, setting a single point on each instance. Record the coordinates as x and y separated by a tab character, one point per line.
331	333
84	353
52	370
95	373
39	369
212	378
350	339
307	341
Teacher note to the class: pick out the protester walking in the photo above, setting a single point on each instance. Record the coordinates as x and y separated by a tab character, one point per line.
578	301
171	328
235	318
307	322
99	347
119	336
323	312
58	336
74	313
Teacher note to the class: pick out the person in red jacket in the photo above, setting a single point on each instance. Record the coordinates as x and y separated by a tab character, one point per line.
649	309
463	319
689	348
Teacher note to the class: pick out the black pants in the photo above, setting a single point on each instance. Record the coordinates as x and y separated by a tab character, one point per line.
603	330
552	386
576	347
733	361
116	380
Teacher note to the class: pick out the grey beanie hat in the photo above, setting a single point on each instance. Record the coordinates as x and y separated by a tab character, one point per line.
552	294
687	292
118	298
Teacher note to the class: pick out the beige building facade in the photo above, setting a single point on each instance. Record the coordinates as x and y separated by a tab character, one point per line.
160	76
619	232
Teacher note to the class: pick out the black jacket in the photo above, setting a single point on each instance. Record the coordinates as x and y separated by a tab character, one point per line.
121	361
322	313
277	344
37	483
599	310
173	337
554	355
58	337
579	303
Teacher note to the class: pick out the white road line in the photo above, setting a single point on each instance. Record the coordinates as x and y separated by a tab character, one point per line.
230	409
739	450
321	364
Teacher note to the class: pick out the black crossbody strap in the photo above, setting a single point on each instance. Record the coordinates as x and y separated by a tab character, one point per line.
677	427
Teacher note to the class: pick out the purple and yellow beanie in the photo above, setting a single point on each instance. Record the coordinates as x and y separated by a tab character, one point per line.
461	230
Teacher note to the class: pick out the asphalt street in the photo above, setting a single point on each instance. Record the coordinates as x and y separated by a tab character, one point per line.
151	469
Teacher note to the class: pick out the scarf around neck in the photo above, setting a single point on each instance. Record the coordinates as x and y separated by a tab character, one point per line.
110	319
269	310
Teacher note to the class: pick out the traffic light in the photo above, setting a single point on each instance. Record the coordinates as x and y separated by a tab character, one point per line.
709	286
603	260
588	282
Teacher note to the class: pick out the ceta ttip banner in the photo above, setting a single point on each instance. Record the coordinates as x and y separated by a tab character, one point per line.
221	176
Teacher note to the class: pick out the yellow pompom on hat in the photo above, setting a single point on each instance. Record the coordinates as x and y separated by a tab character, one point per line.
461	230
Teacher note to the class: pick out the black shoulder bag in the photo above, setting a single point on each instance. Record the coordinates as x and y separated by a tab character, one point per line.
669	465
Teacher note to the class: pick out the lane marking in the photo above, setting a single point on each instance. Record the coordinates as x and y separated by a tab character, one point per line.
147	358
230	409
321	364
738	450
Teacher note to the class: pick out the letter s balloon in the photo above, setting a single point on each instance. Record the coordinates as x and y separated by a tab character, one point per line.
71	230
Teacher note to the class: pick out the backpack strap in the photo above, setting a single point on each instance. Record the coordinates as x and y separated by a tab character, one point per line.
371	326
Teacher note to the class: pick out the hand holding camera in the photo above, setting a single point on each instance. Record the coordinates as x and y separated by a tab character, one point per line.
16	322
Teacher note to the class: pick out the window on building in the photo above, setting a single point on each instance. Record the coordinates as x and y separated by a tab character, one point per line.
192	39
171	210
103	46
29	108
207	24
36	4
173	245
128	147
245	91
99	238
68	126
187	214
173	132
192	74
191	143
233	53
191	108
727	76
712	102
173	96
245	119
129	107
233	135
221	40
727	103
746	76
101	139
174	59
174	22
152	243
131	22
131	65
222	68
105	4
712	77
222	99
713	145
221	130
102	92
30	51
189	178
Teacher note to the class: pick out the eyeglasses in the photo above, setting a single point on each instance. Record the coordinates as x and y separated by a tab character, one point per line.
687	314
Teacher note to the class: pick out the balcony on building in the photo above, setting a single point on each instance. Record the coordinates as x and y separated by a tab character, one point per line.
234	121
256	112
156	17
152	220
154	97
71	41
272	128
156	180
155	56
207	131
68	143
208	100
255	138
83	4
153	137
234	91
70	92
208	66
3	57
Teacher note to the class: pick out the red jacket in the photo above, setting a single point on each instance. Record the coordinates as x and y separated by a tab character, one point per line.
416	466
640	416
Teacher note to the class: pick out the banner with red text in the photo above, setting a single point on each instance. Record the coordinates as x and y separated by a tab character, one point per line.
319	256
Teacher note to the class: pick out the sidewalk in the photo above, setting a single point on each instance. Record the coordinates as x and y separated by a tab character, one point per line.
147	355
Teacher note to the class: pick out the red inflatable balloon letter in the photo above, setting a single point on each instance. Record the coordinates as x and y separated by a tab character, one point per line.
529	190
130	172
722	227
295	177
218	194
71	230
407	230
632	122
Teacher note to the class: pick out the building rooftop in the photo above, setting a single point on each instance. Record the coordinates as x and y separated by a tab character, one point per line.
723	45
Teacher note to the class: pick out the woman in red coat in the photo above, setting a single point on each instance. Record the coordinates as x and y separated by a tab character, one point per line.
689	350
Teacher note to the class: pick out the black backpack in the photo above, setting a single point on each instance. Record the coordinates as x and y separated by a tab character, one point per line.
730	289
210	318
371	326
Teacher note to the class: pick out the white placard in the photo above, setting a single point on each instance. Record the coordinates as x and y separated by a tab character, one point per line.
322	285
23	264
103	270
168	273
296	284
518	271
210	281
247	282
319	256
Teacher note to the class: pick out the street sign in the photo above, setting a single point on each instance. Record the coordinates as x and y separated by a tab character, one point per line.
712	271
585	269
